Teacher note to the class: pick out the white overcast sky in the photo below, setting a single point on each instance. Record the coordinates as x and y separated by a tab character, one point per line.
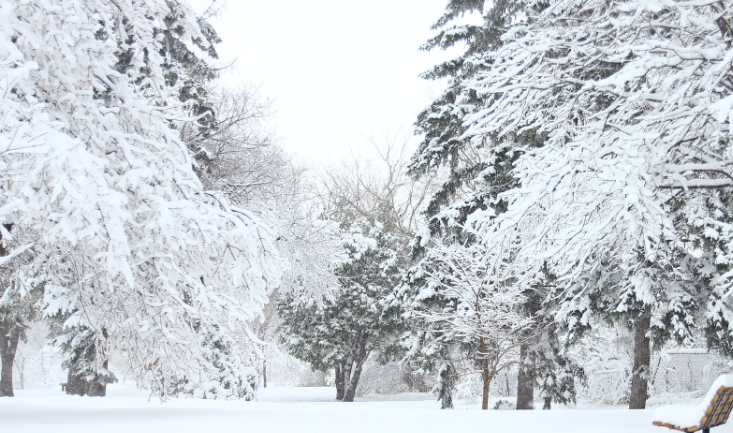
335	70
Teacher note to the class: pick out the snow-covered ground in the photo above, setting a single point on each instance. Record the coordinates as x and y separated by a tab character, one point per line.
291	410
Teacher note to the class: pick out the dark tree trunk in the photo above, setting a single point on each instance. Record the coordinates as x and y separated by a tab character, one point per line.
526	376
346	369
353	383
525	379
264	373
446	401
447	381
487	386
9	338
548	404
642	357
340	382
8	346
486	374
360	358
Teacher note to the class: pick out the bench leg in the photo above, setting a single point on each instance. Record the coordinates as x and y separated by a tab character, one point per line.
706	430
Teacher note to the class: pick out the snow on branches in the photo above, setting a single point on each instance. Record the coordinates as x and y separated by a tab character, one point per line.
161	269
459	304
631	101
590	141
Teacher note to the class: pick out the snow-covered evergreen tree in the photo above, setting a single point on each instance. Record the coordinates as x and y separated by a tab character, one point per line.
476	168
474	172
624	200
376	206
88	160
353	321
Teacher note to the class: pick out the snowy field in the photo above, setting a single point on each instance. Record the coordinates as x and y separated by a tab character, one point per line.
297	410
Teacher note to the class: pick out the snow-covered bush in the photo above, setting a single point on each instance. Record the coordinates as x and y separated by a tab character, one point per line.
608	378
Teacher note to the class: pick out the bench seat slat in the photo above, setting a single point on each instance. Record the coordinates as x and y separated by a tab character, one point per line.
715	414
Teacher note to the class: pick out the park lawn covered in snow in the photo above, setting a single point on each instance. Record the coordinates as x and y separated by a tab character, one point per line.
298	410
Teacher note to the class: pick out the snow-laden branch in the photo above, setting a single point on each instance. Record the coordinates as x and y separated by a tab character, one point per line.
150	264
4	260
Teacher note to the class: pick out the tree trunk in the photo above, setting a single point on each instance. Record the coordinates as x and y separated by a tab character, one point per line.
360	359
354	383
8	346
348	366
548	404
447	381
525	379
487	386
264	373
9	338
486	375
642	357
526	376
340	382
